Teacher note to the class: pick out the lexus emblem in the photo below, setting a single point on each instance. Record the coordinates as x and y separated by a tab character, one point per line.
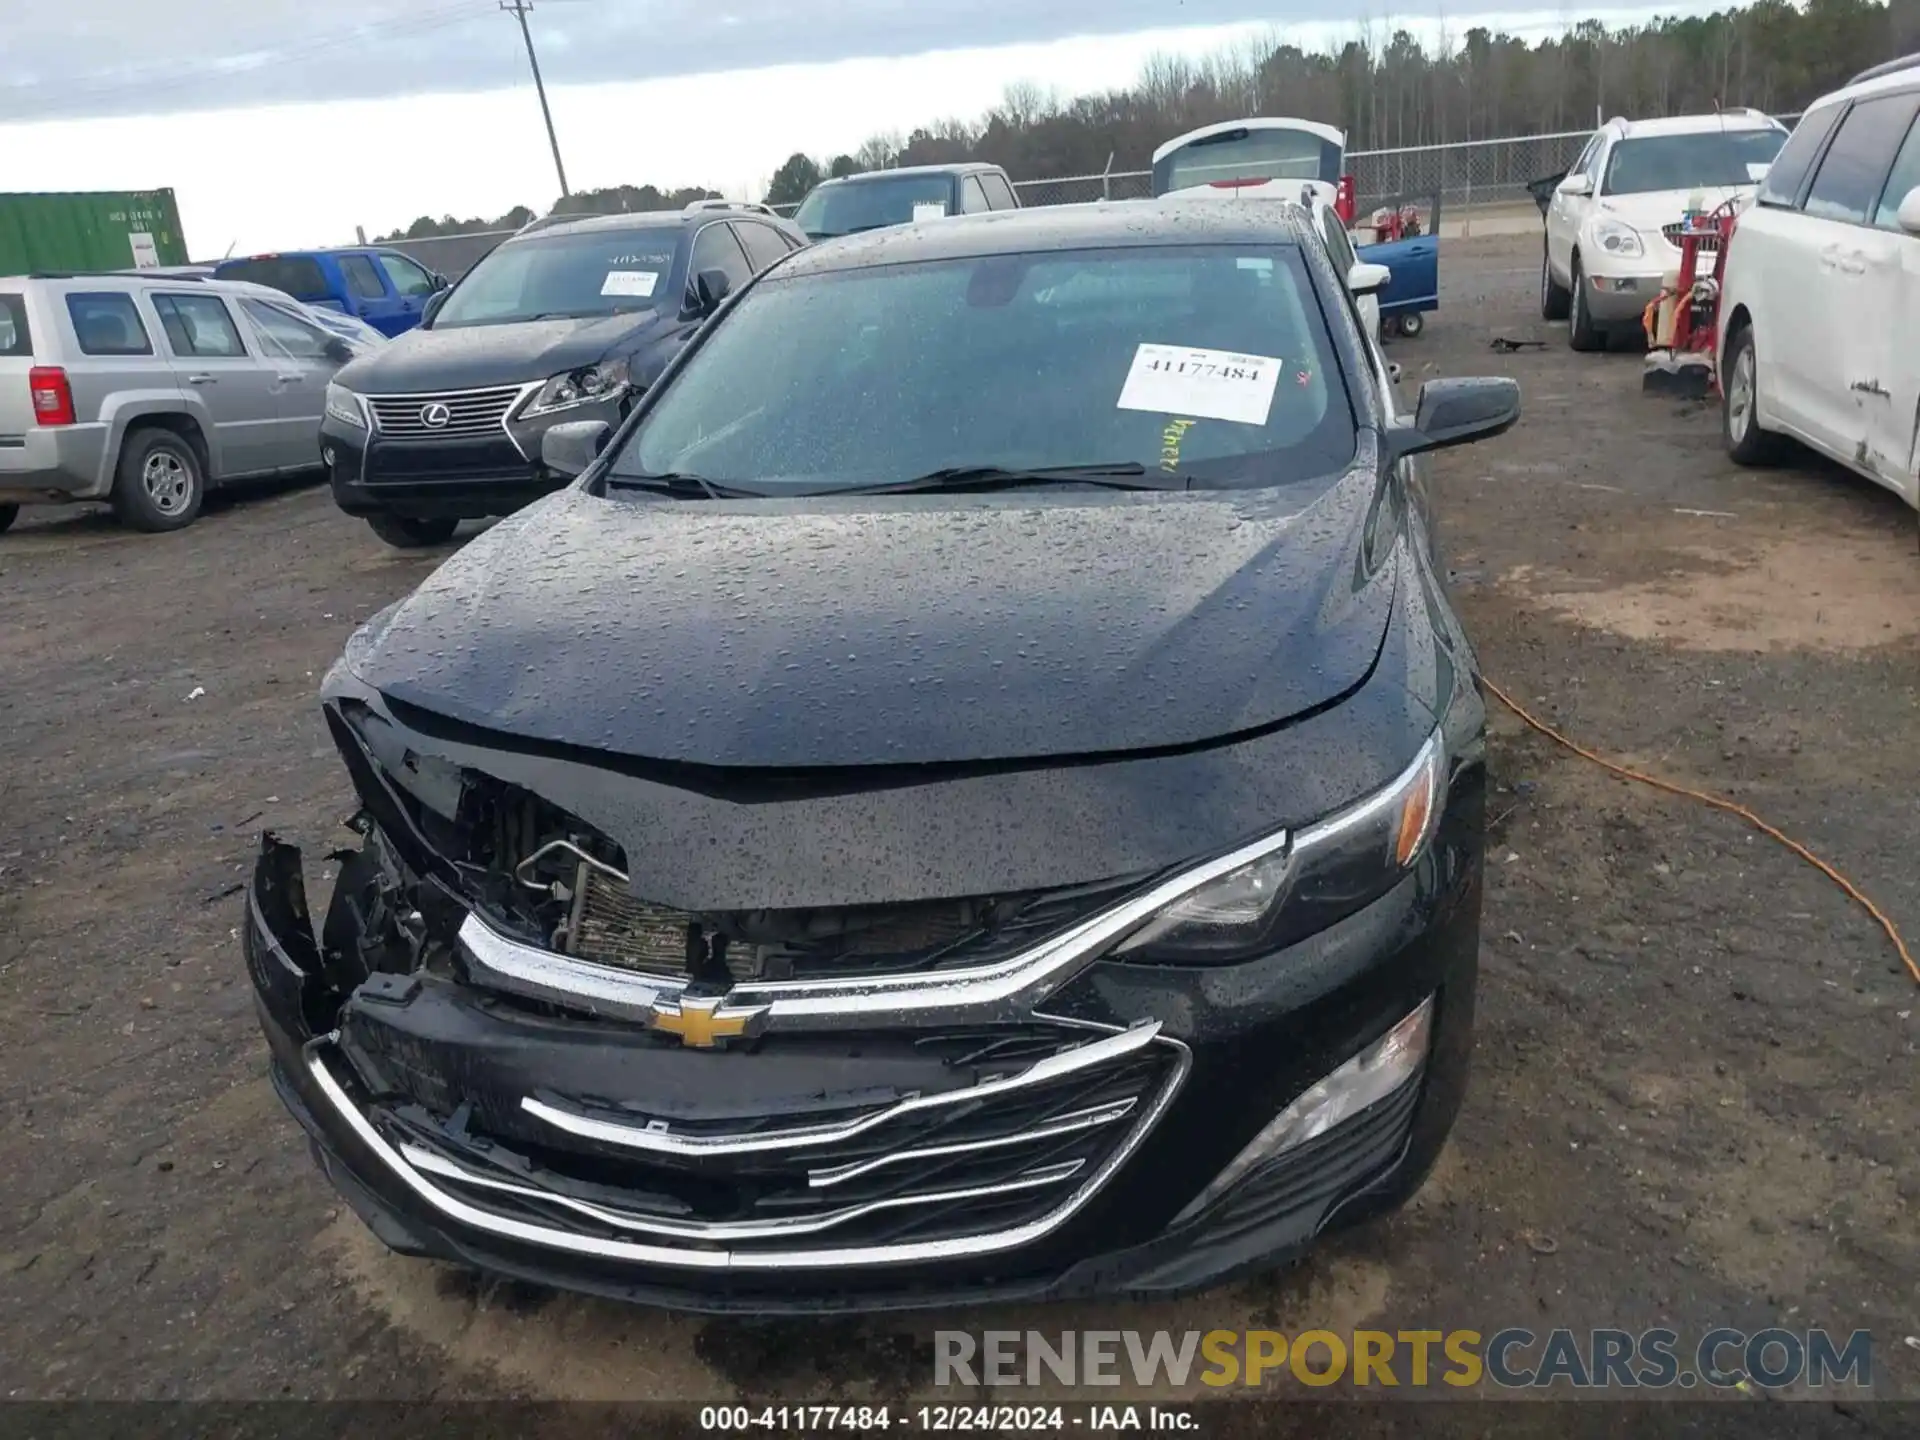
435	416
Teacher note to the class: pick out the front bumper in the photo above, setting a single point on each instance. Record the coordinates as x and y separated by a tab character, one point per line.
1616	297
415	1095
465	478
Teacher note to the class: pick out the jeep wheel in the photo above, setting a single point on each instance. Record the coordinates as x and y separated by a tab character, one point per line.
411	532
159	483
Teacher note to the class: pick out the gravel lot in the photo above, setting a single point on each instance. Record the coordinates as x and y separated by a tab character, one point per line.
1695	1082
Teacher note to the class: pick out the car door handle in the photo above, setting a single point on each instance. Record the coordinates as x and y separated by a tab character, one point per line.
1853	262
289	379
202	379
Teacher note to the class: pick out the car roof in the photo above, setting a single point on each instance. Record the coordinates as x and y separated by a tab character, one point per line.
640	220
1743	119
958	167
1100	225
1899	74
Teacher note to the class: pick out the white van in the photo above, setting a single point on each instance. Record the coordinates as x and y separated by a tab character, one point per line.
1821	295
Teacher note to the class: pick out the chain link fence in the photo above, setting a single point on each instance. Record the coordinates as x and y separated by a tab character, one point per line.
1465	173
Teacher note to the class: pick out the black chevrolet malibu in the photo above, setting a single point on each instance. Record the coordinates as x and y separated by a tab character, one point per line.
974	792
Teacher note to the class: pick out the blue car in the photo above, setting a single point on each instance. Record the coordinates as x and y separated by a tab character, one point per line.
383	288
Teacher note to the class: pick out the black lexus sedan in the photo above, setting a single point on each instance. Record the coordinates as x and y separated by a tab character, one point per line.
568	322
976	792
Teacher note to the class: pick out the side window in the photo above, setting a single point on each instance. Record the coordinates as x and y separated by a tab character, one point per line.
1339	246
1789	170
716	249
14	339
763	243
199	326
1579	166
999	193
107	323
298	276
972	198
363	281
1904	177
1597	159
292	337
408	278
1854	169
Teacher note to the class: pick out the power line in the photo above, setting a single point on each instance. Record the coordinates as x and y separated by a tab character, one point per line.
519	9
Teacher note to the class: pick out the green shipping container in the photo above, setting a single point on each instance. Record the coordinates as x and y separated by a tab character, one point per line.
89	230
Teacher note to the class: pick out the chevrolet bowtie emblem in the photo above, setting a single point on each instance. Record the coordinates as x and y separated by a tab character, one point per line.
702	1024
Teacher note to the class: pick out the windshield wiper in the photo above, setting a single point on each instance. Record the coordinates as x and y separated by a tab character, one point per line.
1129	475
684	487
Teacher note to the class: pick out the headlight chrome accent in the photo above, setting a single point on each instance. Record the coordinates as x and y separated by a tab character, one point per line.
588	385
1330	870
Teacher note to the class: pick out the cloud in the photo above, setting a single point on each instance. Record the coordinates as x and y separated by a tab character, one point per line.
117	57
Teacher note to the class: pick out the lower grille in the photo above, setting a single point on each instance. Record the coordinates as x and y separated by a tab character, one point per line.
961	1171
446	415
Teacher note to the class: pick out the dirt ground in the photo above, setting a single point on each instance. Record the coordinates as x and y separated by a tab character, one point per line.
1695	1084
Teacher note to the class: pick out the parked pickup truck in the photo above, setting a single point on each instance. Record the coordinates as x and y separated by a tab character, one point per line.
386	289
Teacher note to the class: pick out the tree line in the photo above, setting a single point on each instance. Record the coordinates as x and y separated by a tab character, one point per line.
1386	89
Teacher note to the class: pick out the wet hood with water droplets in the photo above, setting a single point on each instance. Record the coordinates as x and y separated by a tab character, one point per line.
887	631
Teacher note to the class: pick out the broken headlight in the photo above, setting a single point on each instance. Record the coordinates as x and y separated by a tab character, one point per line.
1322	874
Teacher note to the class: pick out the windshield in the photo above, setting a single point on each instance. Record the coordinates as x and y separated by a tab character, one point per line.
869	204
603	272
1206	366
1686	162
1248	154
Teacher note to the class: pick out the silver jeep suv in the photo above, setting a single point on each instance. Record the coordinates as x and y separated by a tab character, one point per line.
142	392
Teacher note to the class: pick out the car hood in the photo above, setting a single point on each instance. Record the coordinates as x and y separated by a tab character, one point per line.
466	356
892	631
1649	213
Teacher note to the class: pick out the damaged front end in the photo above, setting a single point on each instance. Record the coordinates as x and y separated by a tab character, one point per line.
507	1057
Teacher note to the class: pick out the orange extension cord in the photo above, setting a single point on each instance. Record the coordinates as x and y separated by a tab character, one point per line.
1718	803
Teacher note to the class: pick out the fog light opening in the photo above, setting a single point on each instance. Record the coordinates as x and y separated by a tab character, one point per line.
1370	1076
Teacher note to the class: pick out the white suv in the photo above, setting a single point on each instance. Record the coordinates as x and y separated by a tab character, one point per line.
1821	295
1611	222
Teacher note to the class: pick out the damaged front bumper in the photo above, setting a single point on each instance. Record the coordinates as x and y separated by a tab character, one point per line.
864	1159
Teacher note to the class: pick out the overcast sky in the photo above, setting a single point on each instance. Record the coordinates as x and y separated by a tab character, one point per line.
284	123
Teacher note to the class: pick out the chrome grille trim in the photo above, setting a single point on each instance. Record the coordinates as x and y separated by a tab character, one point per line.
1707	243
669	1257
1064	1125
664	1142
1006	990
472	414
721	1231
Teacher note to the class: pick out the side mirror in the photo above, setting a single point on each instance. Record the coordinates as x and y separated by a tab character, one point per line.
1576	185
441	282
432	307
569	448
1458	412
1909	216
337	350
712	287
1365	279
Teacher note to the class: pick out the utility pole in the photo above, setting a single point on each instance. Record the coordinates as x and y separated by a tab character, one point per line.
518	9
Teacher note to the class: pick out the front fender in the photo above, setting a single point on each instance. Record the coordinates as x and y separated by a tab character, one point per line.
126	408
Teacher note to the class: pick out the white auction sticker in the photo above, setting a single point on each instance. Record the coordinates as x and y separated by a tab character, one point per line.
629	282
935	211
1214	384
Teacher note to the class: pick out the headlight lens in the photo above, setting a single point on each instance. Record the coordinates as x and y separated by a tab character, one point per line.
343	405
1616	238
1327	871
579	387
